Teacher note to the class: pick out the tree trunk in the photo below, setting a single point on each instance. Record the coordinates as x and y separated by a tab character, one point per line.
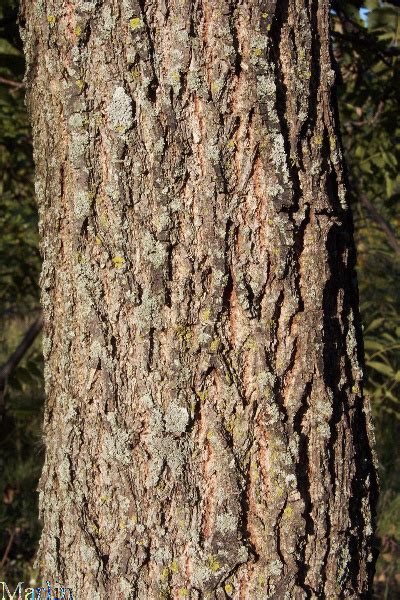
206	430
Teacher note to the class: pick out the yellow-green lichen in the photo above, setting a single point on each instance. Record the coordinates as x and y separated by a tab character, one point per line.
135	73
213	564
202	394
174	567
264	143
175	76
230	424
287	513
205	315
80	258
118	262
164	574
94	528
254	471
228	588
216	86
250	344
317	141
51	19
135	23
184	332
214	346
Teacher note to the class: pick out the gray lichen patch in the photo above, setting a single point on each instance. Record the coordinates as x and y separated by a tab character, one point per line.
163	450
116	442
278	155
147	314
266	85
82	204
194	80
88	6
226	522
76	120
212	151
274	189
108	21
154	250
120	111
78	145
159	145
161	221
176	418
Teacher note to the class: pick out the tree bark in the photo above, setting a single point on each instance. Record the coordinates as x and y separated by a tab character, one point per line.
206	430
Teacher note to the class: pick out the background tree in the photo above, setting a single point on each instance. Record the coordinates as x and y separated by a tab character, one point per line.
206	427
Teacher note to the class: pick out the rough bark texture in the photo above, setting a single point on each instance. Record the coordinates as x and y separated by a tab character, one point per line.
206	430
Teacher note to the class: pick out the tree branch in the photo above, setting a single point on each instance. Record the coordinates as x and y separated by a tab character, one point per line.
384	226
8	548
10	82
16	357
368	42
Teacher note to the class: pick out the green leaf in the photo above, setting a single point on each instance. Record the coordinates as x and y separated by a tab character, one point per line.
375	323
381	368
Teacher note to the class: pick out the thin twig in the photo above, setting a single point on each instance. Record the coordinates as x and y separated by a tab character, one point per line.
373	119
16	357
384	226
10	82
8	548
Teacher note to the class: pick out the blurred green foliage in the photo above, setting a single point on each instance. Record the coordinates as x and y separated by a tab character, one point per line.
21	453
366	45
21	457
19	255
367	49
